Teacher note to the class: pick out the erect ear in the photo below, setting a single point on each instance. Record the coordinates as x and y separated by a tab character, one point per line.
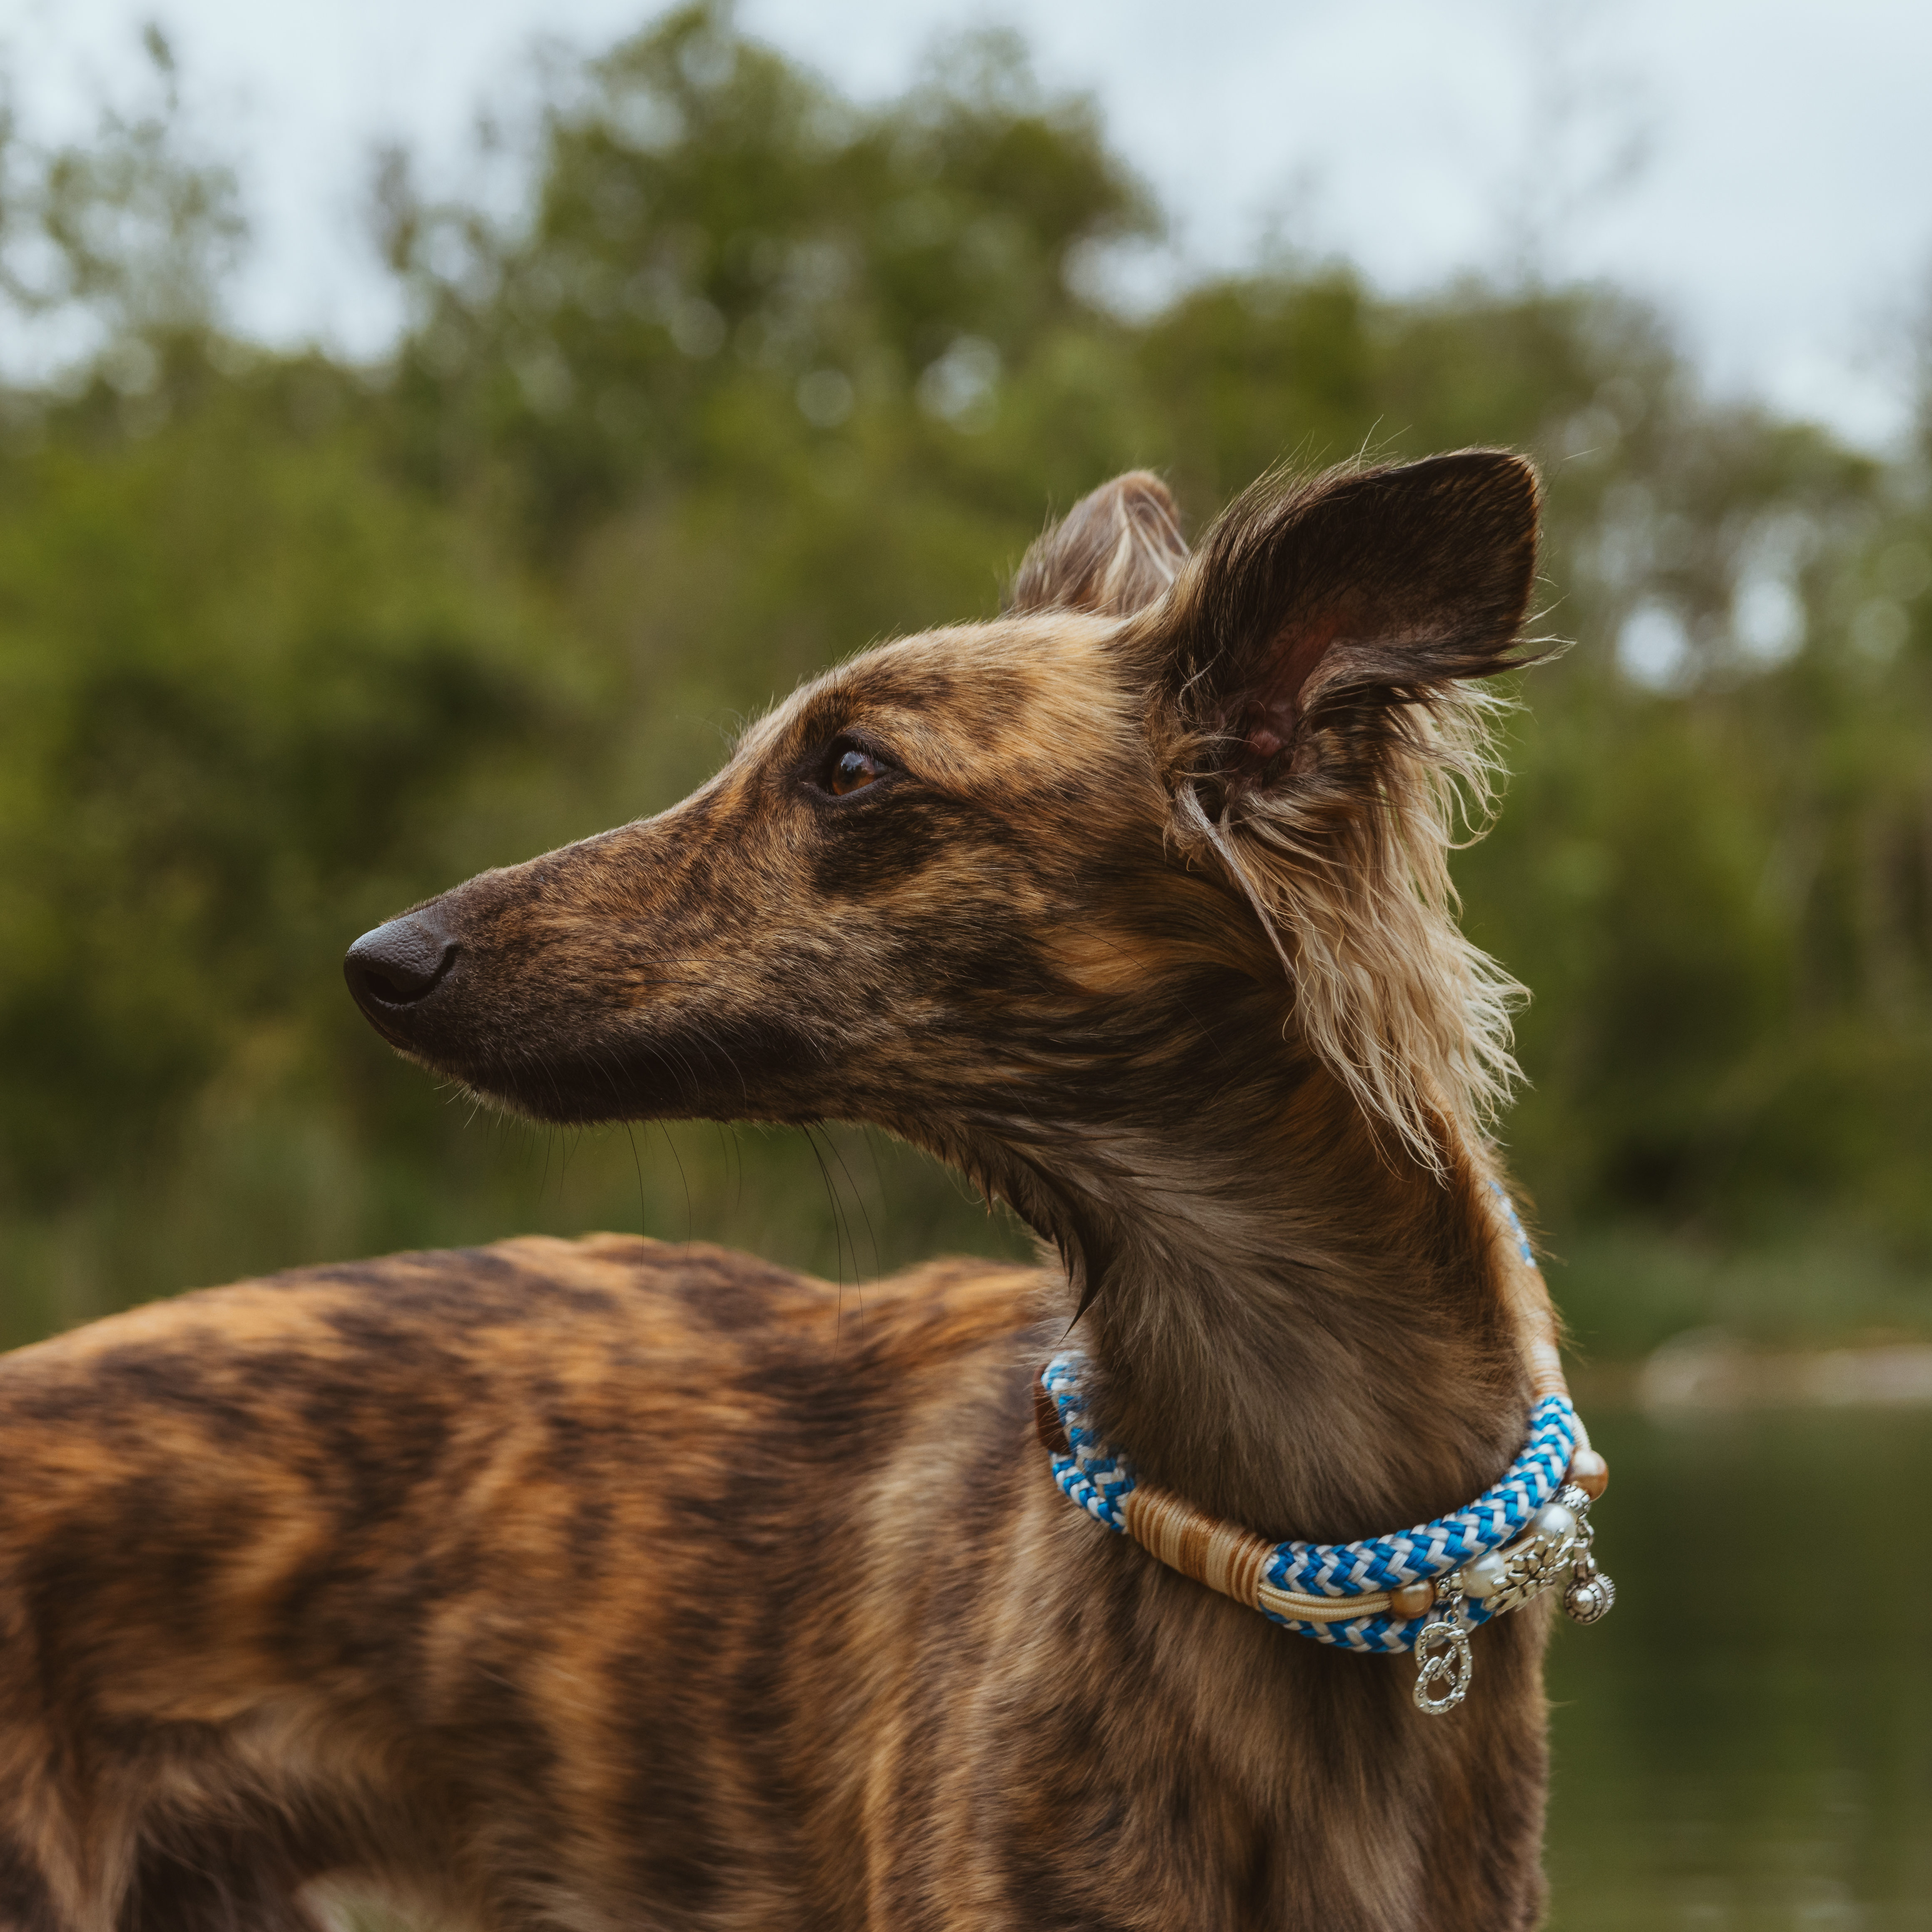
1114	553
1318	610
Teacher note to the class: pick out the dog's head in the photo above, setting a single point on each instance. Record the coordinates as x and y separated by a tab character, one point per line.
1171	824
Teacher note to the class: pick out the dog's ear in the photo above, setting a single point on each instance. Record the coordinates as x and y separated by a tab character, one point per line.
1113	553
1312	671
1314	613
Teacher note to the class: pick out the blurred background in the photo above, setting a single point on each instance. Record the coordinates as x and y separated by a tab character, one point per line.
422	443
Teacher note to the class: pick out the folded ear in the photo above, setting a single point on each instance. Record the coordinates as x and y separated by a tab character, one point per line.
1113	553
1312	608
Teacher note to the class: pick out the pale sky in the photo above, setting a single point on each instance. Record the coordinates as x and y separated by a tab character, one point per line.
1778	200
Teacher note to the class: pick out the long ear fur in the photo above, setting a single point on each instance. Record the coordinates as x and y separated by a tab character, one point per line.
1113	553
1323	741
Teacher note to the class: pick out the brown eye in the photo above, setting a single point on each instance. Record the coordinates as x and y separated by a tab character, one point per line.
851	768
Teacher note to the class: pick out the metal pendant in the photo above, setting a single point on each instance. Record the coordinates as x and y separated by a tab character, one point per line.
1554	1549
1443	1661
1590	1593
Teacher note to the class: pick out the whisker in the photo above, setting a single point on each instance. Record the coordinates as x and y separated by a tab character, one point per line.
690	1232
631	1135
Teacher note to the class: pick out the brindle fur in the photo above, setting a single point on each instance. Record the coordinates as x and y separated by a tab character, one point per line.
608	1584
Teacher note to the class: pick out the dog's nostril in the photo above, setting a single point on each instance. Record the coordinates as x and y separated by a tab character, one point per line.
398	963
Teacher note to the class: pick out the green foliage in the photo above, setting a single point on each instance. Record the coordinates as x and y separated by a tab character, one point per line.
757	377
243	674
724	266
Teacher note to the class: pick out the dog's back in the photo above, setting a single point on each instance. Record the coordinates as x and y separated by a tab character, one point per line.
552	1583
504	1554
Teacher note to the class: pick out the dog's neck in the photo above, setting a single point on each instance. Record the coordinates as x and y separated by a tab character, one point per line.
1308	1337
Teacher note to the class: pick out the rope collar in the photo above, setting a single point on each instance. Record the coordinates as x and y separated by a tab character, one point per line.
1423	1589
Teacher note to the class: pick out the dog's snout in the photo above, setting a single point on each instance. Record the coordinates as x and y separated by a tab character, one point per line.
398	964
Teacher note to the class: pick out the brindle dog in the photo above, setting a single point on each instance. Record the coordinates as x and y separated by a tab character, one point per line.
599	1586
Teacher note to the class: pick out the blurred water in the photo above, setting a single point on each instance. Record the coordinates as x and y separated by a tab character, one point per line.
1746	1742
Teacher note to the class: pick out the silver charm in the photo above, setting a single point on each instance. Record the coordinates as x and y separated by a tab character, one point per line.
1555	1549
1590	1593
1507	1579
1554	1543
1443	1662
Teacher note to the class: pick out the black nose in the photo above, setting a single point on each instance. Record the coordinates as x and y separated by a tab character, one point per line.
398	963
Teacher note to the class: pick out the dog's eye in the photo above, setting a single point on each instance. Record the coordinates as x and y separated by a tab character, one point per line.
850	768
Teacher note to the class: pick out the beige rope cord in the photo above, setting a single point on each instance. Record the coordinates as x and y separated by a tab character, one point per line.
1231	1561
1526	1294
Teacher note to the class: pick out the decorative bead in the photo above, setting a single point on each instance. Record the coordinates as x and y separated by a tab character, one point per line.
1485	1577
1553	1522
1589	1602
1590	1473
1412	1600
1586	1567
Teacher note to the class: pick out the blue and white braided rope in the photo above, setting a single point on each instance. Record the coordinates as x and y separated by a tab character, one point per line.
1519	1235
1093	1477
1099	1478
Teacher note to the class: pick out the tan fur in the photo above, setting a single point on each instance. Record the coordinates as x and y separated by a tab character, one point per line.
611	1584
1359	902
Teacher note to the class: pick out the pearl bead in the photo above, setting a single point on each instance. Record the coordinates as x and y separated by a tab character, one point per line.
1590	1473
1412	1600
1486	1576
1553	1522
